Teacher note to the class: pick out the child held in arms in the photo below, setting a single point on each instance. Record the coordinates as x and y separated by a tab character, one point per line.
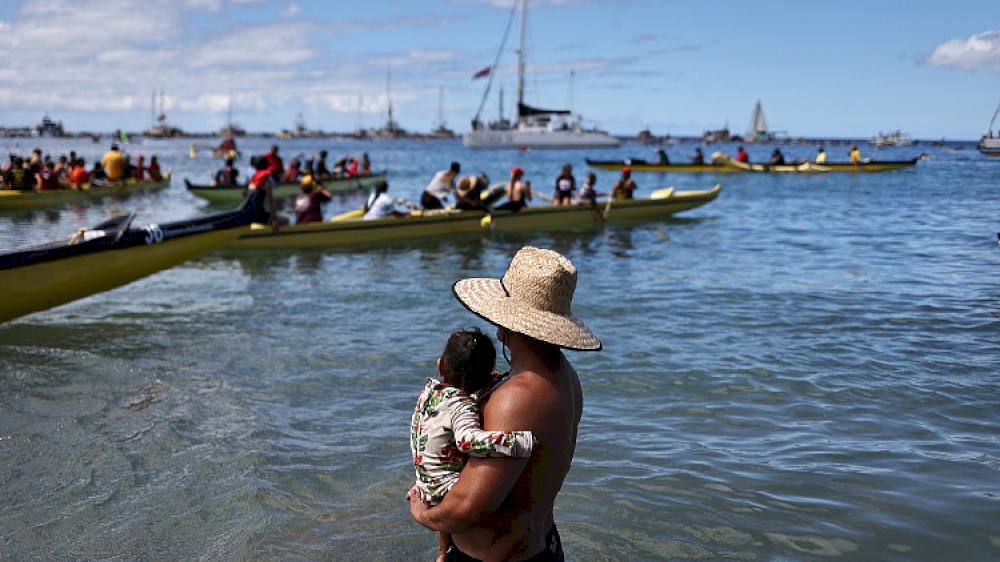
446	428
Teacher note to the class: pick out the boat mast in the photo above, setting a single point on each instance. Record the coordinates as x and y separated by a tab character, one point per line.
990	129
520	59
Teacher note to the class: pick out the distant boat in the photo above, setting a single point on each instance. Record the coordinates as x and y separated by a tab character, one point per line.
758	131
534	127
895	138
48	128
990	145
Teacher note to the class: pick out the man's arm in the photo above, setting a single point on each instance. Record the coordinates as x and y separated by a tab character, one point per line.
484	482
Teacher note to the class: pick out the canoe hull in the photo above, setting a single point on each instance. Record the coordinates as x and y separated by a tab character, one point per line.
359	233
642	166
810	167
20	200
233	195
45	285
39	278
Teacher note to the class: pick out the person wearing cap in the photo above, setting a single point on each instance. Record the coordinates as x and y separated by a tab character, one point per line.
113	164
625	185
380	205
442	185
518	192
531	307
307	203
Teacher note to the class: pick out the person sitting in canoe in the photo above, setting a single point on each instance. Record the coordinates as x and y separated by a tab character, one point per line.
366	165
227	175
442	185
625	186
661	156
742	156
380	205
307	203
698	157
78	173
565	186
46	179
587	193
322	172
467	197
821	157
154	169
113	164
777	158
294	169
275	165
519	192
259	188
17	177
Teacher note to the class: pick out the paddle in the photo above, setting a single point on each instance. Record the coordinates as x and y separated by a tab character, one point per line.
607	208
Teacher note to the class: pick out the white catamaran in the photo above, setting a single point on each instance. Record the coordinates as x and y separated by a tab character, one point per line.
989	144
534	128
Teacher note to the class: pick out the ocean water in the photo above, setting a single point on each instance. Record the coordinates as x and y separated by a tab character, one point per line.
804	369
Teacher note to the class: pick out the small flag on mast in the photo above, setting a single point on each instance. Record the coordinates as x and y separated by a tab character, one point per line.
482	73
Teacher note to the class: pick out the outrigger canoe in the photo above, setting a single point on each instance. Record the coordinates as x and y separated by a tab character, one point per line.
111	254
354	232
19	200
637	165
811	167
286	190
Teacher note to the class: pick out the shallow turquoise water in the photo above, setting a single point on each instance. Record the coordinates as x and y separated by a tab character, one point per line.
804	369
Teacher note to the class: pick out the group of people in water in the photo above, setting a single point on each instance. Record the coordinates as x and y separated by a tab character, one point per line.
43	172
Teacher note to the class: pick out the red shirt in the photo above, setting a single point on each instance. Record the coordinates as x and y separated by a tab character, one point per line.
49	180
275	165
78	175
258	179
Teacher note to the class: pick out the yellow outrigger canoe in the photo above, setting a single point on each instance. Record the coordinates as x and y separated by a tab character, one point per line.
349	230
113	253
727	161
11	200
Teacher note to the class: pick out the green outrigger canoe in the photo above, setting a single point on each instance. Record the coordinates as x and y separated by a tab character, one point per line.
11	200
351	231
232	195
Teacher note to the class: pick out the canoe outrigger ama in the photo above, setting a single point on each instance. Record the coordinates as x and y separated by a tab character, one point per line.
348	231
19	200
285	190
109	255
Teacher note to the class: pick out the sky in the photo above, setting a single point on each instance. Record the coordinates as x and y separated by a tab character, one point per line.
848	69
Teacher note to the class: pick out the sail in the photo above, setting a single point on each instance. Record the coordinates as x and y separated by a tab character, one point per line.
758	125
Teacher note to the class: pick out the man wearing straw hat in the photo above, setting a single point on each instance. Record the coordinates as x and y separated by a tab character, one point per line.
530	306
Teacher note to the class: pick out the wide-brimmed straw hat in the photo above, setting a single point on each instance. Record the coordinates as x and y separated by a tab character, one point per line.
533	298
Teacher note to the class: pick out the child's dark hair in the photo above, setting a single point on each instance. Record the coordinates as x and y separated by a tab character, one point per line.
468	360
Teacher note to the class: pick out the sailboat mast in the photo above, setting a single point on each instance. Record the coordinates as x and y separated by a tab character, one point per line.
520	58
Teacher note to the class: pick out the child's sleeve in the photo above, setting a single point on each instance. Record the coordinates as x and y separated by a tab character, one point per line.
471	439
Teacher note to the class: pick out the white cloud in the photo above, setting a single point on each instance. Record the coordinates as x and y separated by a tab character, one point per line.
977	51
292	10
